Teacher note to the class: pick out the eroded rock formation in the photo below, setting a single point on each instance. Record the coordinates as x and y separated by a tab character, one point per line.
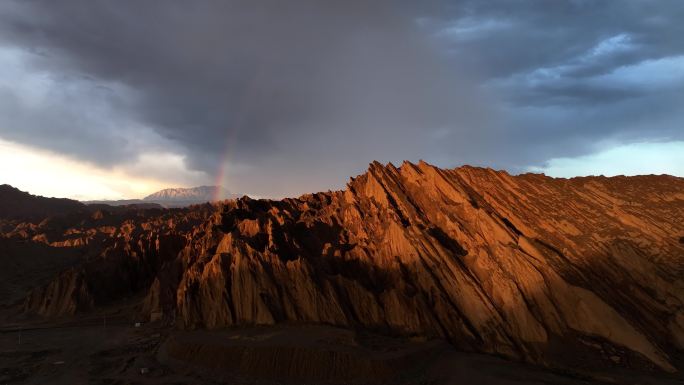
527	266
120	254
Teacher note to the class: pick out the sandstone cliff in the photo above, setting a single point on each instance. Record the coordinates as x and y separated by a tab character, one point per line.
535	268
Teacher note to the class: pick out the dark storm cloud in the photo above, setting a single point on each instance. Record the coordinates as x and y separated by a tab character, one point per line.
572	74
305	93
306	82
520	36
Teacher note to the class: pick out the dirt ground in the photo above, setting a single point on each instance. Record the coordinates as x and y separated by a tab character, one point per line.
99	349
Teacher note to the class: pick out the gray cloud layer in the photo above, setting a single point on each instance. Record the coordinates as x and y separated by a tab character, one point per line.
302	94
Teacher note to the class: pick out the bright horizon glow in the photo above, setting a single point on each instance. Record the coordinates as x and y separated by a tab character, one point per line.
51	175
43	173
631	159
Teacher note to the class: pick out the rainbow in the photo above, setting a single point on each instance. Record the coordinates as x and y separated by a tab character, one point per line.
243	108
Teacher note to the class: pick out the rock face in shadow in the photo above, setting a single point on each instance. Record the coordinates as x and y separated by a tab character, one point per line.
17	204
120	254
582	271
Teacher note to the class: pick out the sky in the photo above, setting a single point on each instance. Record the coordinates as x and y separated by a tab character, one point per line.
117	99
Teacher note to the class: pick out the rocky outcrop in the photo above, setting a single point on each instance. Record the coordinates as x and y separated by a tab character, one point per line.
514	265
534	268
122	253
25	265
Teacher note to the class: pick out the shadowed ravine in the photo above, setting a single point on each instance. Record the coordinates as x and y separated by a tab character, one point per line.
560	272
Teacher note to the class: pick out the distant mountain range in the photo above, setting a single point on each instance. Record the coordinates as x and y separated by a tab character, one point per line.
20	205
176	197
201	193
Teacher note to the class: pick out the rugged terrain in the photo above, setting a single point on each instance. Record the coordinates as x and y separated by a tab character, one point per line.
582	275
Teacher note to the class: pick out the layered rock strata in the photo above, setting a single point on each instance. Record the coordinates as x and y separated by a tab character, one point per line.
526	266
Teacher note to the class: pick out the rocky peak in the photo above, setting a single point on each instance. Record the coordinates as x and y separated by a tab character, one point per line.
530	267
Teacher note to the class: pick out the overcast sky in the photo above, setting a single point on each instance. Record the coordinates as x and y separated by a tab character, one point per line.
113	99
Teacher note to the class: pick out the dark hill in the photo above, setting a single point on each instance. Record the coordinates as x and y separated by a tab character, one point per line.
20	205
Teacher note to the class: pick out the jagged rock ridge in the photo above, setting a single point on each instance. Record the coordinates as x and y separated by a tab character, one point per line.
526	266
